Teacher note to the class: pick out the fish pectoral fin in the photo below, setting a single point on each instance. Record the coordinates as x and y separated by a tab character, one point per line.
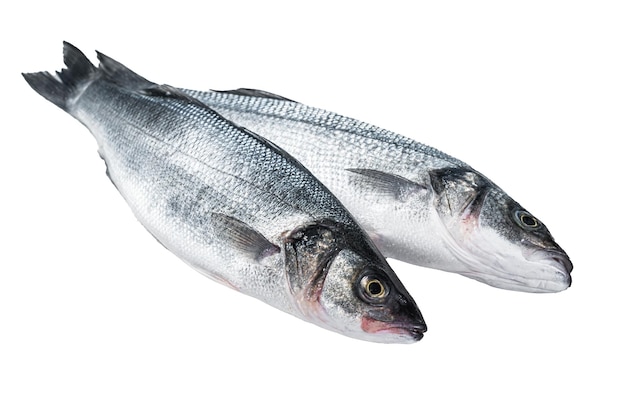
388	184
243	237
250	92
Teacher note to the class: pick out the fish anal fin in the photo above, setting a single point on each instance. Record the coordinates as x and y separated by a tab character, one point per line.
388	184
243	237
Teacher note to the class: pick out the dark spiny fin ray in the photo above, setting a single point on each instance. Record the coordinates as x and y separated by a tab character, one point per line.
388	184
243	237
253	93
63	87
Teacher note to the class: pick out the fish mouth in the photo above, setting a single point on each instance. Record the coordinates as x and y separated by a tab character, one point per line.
534	268
554	257
417	332
551	273
413	332
557	260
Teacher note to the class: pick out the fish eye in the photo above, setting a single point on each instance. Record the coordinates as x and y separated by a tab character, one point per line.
525	219
373	288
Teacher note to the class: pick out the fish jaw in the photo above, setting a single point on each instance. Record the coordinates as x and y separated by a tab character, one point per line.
404	219
219	196
549	279
551	263
408	333
493	238
490	258
342	306
326	272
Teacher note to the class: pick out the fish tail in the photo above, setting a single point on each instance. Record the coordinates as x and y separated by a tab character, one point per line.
62	87
119	74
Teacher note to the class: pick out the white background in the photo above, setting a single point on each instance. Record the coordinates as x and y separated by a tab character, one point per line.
97	319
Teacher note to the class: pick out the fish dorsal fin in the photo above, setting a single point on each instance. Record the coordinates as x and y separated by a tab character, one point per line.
122	76
388	184
243	237
250	92
164	90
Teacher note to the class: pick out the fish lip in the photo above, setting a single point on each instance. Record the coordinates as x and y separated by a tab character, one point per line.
558	260
415	331
564	260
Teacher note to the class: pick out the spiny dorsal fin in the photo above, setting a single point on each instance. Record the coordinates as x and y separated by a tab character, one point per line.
388	184
243	237
164	90
250	92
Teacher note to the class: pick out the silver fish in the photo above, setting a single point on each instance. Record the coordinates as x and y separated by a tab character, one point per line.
419	205
231	204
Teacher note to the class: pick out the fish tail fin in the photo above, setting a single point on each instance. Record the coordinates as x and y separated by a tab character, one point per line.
121	75
62	87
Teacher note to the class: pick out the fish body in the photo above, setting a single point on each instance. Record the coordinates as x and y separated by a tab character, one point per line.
418	204
231	204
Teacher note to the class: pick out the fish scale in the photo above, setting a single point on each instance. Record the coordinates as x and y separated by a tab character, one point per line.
233	205
411	198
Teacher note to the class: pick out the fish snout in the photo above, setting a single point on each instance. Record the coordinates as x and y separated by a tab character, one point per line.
417	332
559	262
564	261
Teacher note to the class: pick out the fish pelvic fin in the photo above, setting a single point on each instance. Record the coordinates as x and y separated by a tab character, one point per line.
62	87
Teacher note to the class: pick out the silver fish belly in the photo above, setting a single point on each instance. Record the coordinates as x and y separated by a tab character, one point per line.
231	204
419	205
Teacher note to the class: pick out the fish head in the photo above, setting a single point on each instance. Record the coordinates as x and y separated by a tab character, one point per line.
495	239
341	282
